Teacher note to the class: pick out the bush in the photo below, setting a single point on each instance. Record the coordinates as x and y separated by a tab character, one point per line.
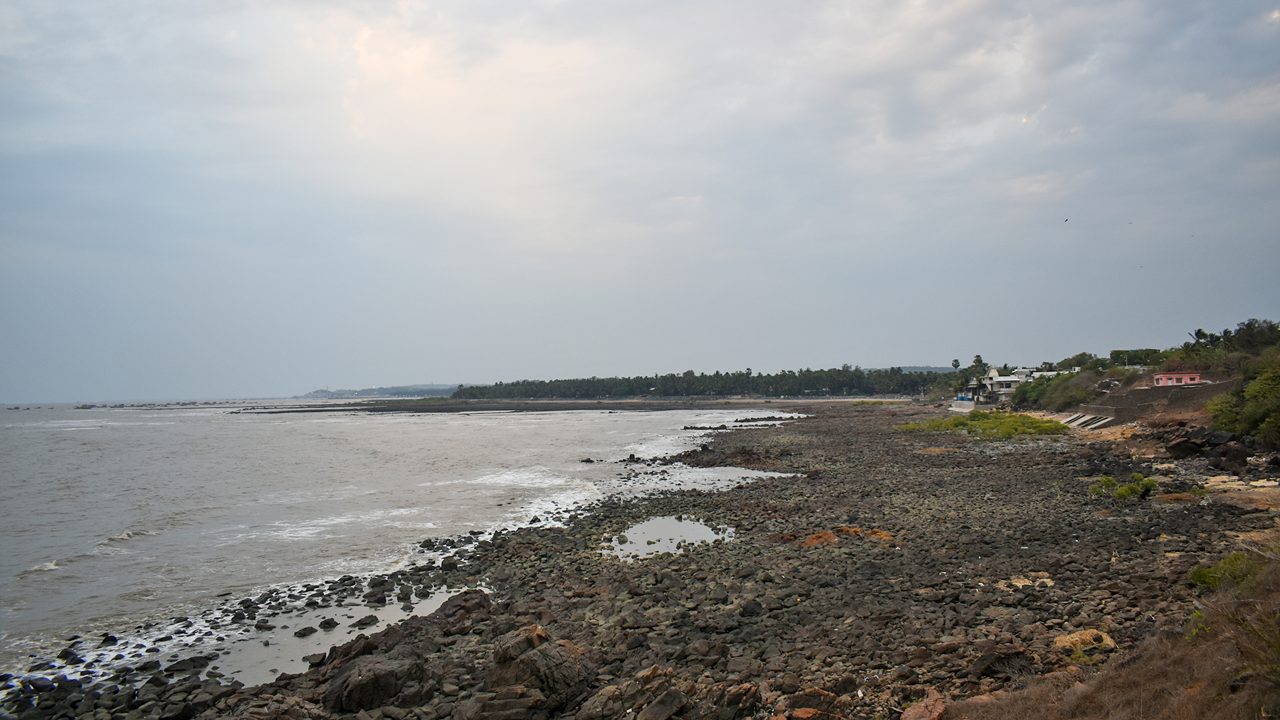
1255	410
1234	570
1139	487
1104	486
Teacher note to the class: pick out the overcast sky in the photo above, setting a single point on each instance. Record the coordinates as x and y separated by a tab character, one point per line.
236	199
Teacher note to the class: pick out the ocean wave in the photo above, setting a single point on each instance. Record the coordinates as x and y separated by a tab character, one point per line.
320	527
41	568
532	477
124	536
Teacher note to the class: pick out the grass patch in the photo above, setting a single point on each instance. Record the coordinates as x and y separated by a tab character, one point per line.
1138	487
989	425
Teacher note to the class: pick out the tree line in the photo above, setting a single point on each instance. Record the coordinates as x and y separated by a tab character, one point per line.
842	381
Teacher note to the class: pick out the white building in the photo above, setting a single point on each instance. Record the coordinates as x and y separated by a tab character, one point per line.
996	389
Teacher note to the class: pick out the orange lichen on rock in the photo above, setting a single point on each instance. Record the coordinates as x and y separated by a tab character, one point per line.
822	537
869	533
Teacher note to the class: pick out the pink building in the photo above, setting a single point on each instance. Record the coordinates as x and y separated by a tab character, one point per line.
1162	379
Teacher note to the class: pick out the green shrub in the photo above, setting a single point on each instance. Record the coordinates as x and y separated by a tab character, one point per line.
1234	570
1256	410
1104	486
1139	487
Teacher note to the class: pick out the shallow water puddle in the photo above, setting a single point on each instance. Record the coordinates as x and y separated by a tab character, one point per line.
664	534
252	662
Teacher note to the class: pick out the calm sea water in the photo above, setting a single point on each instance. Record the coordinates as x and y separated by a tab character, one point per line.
109	517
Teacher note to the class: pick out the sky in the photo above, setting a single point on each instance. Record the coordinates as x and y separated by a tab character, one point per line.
257	199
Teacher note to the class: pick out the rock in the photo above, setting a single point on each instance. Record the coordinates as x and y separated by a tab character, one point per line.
1182	448
1088	643
1001	661
664	706
1220	437
930	708
527	657
1233	457
628	697
369	682
820	701
304	632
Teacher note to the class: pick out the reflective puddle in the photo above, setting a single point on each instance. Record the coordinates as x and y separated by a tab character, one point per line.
669	534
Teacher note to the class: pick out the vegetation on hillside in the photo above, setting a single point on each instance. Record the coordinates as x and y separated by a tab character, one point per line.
1227	353
1248	350
1255	409
1061	392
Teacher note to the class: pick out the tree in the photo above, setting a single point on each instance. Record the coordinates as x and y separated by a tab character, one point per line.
1084	361
1256	410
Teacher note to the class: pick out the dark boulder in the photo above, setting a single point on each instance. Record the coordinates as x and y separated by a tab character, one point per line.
529	658
368	682
1181	448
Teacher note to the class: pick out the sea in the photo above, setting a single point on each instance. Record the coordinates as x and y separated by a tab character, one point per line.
115	518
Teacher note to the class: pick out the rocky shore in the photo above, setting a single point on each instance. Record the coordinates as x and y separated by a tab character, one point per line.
891	568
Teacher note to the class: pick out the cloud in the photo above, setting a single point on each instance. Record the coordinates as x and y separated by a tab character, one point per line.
1254	106
501	163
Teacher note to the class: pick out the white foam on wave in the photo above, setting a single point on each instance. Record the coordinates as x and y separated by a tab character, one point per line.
677	442
547	510
319	527
530	477
41	568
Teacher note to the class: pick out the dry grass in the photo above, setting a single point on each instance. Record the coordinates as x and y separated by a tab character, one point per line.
989	425
1226	667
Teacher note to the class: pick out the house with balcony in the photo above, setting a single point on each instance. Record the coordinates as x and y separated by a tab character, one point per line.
995	388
